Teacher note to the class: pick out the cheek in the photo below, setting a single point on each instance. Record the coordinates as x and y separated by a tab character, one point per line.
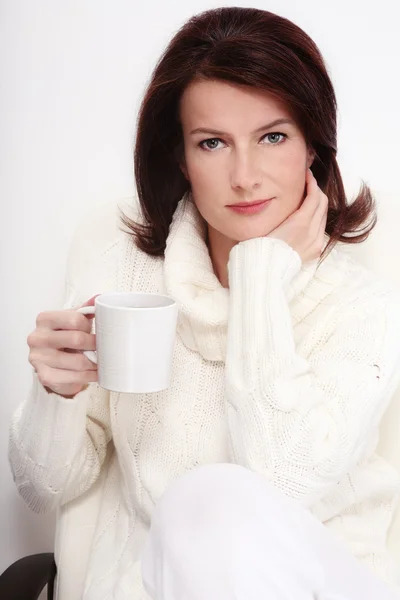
204	173
291	176
291	164
208	183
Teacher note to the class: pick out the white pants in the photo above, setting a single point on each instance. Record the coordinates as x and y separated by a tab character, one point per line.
222	532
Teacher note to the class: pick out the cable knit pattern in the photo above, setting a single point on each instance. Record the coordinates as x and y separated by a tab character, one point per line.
288	373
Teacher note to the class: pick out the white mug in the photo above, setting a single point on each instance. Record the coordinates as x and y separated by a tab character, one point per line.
135	336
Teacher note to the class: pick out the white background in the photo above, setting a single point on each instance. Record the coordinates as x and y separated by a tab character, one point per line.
72	74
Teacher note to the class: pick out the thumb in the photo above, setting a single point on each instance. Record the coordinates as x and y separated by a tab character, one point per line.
89	302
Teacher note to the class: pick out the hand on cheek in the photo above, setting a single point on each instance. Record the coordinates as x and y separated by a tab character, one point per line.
304	229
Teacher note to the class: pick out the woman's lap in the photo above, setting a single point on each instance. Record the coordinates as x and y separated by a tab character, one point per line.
224	532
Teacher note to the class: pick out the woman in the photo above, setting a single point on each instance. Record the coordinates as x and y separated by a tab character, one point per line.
257	467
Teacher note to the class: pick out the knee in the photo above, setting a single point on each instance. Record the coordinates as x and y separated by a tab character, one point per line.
204	518
213	497
225	520
202	488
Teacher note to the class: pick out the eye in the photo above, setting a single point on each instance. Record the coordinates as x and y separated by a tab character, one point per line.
213	143
274	135
210	144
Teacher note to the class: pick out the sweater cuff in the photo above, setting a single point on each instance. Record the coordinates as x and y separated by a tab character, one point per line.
264	256
47	423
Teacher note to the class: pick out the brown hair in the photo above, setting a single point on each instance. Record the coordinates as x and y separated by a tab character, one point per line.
250	47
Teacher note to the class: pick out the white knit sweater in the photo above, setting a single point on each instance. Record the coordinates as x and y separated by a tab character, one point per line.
287	373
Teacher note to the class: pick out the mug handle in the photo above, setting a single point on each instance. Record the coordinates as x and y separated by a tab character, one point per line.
89	310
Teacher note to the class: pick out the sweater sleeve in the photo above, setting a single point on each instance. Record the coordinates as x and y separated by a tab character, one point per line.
303	421
57	445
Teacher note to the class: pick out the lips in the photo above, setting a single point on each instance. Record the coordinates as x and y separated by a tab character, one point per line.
250	208
240	204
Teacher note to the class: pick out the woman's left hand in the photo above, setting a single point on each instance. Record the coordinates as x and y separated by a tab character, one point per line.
304	229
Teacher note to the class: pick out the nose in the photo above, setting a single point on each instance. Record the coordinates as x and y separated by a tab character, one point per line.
246	174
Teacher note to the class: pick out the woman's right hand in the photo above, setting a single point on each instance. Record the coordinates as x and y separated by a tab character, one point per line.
56	347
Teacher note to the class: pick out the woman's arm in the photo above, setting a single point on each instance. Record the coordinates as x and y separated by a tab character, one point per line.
57	445
301	422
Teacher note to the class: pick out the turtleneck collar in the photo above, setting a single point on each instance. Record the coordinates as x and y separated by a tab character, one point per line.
190	279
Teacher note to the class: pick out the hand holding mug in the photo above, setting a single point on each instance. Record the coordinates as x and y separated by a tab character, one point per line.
56	347
131	352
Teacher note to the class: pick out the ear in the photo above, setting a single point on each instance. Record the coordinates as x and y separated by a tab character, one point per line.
182	166
310	157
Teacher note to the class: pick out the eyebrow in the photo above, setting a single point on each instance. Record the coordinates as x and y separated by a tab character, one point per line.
206	130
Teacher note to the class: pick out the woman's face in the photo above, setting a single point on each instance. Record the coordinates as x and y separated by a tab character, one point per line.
234	154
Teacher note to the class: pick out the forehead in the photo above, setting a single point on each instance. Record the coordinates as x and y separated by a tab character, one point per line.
214	103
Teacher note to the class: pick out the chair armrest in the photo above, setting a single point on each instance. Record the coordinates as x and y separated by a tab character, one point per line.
27	577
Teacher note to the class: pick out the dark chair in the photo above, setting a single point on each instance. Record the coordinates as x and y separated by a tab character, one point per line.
27	578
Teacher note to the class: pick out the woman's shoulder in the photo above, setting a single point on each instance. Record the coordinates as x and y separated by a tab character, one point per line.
97	238
356	281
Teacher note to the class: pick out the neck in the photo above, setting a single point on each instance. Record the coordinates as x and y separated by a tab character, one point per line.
219	247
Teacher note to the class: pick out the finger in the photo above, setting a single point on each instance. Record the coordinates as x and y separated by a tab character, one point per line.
324	217
317	223
321	209
322	225
53	378
59	359
310	178
75	340
64	319
310	203
89	302
321	239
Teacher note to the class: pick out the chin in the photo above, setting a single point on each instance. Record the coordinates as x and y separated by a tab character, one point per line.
249	233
